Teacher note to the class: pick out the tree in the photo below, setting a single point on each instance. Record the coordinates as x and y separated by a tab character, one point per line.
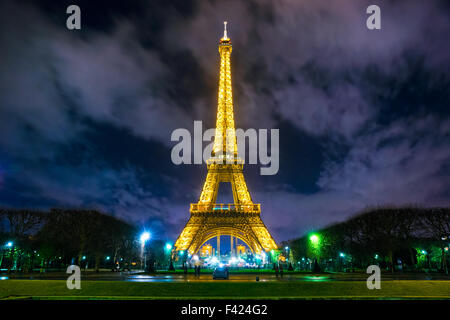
383	233
436	222
20	224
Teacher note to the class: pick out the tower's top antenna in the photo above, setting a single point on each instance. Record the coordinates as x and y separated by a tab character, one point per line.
225	37
225	40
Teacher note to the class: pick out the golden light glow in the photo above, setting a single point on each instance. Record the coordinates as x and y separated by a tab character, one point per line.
240	250
206	251
240	219
225	139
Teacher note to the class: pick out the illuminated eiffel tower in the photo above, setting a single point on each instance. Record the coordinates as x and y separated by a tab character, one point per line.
208	218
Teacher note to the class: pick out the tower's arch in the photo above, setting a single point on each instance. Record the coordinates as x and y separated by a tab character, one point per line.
251	242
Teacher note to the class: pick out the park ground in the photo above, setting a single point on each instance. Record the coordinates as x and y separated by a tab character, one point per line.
107	286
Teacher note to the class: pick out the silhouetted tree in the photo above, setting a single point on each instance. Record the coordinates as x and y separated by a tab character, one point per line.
436	222
378	233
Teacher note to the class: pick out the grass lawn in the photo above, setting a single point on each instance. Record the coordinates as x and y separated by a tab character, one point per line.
56	289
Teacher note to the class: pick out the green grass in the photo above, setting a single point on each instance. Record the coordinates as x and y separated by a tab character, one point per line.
56	289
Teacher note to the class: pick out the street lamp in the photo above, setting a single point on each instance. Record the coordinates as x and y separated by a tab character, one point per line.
168	248
144	237
287	253
9	244
341	256
314	238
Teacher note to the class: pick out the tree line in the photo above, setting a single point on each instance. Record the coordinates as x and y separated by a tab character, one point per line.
406	238
60	237
396	238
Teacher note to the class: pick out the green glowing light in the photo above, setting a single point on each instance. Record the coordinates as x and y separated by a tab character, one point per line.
314	238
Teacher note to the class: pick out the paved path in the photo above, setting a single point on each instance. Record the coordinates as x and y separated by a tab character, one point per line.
133	277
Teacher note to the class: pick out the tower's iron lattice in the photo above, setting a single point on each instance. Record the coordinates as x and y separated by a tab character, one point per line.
240	219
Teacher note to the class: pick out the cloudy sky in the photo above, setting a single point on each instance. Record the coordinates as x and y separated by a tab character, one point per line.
86	116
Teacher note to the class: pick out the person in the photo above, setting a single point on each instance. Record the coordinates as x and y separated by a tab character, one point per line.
281	270
198	265
316	267
275	266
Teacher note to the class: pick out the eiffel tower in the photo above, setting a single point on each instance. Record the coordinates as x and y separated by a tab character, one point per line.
240	219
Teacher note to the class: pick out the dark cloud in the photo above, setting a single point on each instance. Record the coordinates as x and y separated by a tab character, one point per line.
406	163
86	116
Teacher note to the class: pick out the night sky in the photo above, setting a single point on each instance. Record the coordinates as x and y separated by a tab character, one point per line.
86	116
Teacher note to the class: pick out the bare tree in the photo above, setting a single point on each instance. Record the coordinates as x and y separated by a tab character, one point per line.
22	221
20	225
436	222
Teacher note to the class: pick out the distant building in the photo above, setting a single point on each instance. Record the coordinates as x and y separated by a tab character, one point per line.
206	251
241	250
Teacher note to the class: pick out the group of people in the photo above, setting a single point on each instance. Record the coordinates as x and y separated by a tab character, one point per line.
197	269
278	270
